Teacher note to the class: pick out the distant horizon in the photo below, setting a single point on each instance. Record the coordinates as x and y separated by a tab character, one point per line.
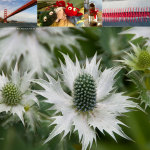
20	25
17	21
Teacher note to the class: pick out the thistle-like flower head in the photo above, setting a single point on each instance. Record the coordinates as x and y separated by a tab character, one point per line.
92	103
15	93
139	59
31	45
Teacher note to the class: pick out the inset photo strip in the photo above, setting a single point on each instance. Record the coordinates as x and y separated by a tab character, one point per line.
18	13
120	13
64	13
93	13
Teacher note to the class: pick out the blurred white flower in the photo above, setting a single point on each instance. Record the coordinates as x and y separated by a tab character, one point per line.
92	103
15	93
30	43
139	32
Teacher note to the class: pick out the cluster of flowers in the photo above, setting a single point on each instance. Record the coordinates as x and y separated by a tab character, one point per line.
92	101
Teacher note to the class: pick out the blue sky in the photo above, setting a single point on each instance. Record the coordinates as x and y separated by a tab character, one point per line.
29	15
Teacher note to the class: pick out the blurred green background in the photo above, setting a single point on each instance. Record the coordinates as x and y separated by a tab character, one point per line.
110	46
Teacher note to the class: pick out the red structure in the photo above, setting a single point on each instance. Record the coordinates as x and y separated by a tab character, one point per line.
127	15
22	8
5	15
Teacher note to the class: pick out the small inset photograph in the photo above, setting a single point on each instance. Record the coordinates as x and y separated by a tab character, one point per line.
18	13
93	13
64	13
120	13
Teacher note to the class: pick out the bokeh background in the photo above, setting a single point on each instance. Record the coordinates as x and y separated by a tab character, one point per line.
110	46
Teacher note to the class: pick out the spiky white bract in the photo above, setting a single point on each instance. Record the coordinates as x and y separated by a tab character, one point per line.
81	114
139	32
15	93
30	44
139	59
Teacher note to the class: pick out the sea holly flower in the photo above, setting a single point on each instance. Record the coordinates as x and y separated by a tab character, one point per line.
139	59
30	43
92	104
15	93
139	62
